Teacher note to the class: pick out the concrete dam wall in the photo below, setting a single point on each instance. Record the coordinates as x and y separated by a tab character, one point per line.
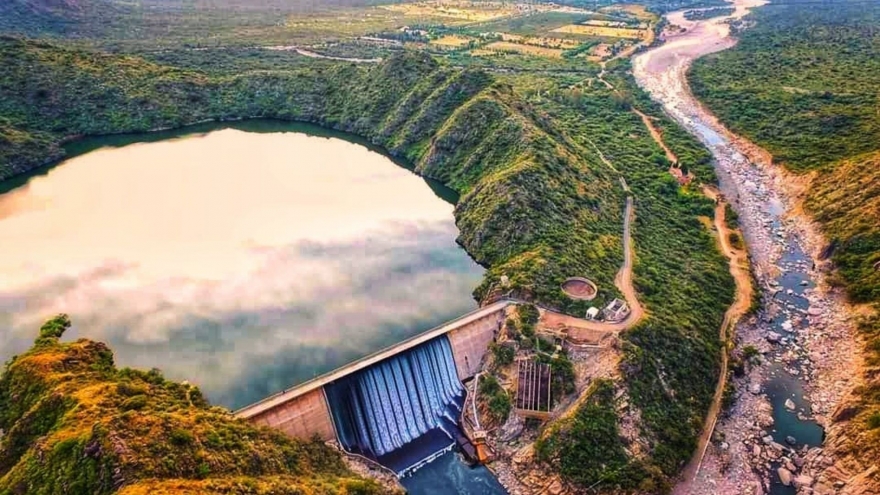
406	390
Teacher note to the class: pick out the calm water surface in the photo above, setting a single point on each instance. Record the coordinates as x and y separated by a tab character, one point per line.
244	259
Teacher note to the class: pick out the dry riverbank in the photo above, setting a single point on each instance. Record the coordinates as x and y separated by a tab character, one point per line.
814	357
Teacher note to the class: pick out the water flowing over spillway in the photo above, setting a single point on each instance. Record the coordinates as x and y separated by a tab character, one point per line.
402	411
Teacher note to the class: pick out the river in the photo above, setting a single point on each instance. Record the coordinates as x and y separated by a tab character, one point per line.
774	423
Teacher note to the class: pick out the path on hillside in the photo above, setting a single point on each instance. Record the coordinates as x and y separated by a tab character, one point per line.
583	329
655	133
738	262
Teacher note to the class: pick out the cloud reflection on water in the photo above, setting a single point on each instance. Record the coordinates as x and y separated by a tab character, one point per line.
288	311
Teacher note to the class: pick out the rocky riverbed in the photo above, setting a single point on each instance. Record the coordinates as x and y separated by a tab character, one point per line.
800	343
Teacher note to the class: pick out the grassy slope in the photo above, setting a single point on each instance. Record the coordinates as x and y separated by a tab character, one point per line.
803	83
685	290
76	424
536	202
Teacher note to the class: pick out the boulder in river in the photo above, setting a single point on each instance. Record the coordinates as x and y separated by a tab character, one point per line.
784	476
790	405
773	337
803	481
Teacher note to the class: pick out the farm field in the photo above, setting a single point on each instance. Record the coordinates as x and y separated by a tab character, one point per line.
607	32
504	46
452	41
455	12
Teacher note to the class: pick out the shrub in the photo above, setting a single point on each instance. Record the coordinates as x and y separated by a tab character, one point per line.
503	354
134	403
528	314
181	437
874	421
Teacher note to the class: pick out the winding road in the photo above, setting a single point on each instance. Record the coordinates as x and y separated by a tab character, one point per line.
580	329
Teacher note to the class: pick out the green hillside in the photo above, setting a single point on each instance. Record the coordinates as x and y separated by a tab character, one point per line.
537	203
76	424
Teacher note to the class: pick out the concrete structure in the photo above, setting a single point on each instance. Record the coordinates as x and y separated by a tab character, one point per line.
616	310
533	387
303	411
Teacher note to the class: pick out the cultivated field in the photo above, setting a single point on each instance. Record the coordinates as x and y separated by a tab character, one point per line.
506	47
561	43
451	41
605	32
456	12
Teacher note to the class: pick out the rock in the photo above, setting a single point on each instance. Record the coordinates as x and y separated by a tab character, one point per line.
789	404
755	388
822	489
790	440
555	488
784	476
724	445
802	481
773	337
756	450
767	440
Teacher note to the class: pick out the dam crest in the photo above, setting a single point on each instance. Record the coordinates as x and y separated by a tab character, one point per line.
400	406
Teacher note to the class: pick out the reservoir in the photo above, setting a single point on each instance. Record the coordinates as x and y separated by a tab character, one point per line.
243	258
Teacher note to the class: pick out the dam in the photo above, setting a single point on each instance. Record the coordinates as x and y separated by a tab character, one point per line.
399	406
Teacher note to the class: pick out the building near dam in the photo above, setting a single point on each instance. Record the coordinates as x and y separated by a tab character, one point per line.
400	406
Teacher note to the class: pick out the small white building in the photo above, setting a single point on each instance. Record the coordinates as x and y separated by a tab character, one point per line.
592	313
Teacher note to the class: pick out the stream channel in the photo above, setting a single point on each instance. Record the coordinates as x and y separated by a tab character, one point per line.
782	267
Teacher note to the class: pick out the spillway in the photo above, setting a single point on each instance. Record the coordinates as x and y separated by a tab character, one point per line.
402	411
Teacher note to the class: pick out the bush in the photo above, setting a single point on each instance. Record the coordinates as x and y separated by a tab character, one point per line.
528	314
181	437
134	403
499	406
874	421
503	354
129	389
750	353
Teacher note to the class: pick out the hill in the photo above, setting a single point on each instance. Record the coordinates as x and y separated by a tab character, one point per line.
538	203
76	424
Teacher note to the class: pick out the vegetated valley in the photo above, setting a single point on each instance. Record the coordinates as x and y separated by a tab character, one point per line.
529	154
803	84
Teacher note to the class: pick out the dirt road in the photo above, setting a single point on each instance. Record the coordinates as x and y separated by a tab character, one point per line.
738	262
585	330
